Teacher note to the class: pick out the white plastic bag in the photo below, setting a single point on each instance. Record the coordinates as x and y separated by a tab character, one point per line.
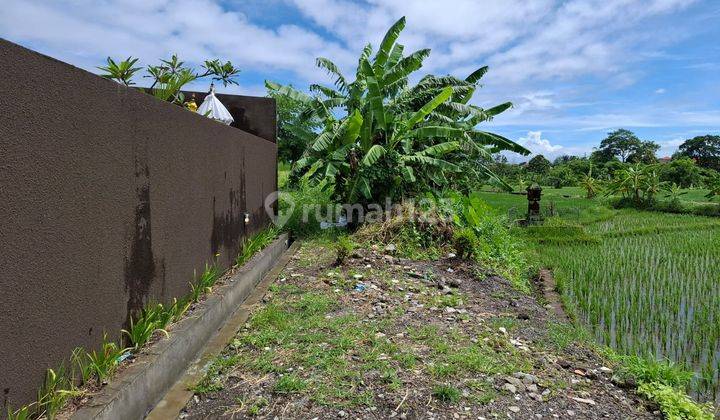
213	108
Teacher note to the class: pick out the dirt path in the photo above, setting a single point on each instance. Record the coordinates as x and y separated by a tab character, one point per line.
380	337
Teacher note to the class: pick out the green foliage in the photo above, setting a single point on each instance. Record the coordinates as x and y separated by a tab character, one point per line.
465	243
295	131
54	393
682	171
343	248
539	165
705	150
205	282
153	318
561	176
121	71
619	143
591	185
170	76
23	413
103	363
255	243
289	384
305	206
446	393
492	243
393	138
675	404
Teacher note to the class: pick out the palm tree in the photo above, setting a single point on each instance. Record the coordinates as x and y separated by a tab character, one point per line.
392	138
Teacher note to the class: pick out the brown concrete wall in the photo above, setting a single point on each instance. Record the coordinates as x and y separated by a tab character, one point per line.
108	198
252	114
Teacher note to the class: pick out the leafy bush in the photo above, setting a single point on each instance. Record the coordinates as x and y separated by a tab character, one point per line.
675	404
169	76
305	206
343	247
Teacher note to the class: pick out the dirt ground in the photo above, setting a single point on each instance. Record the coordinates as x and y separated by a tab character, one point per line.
383	337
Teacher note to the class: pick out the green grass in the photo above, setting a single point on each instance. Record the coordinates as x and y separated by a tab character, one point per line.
303	341
446	393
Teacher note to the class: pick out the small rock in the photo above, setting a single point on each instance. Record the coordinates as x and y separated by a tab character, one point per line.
584	400
450	270
503	330
342	413
510	388
535	396
579	372
605	370
379	335
514	409
532	388
515	382
570	413
451	255
390	248
357	276
453	283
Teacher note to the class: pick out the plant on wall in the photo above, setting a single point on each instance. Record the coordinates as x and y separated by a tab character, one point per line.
170	76
382	137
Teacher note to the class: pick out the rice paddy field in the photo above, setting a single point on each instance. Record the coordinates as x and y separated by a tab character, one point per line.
646	283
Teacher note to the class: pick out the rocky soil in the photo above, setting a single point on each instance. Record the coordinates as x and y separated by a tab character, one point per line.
384	337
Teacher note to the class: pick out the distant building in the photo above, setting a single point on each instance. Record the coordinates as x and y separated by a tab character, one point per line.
665	159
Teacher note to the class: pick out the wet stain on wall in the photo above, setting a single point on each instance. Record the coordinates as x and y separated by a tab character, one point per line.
229	227
140	265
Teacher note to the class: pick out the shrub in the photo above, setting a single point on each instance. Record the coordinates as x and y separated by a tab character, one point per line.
465	243
343	247
675	404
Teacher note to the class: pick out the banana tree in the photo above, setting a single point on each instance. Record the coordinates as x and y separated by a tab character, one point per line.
590	184
393	137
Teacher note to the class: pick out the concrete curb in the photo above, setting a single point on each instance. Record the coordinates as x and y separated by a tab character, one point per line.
135	390
173	403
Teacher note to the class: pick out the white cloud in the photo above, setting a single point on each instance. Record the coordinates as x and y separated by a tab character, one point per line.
538	145
83	31
660	91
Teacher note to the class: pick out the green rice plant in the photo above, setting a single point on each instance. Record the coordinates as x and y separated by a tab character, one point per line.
649	289
104	363
254	244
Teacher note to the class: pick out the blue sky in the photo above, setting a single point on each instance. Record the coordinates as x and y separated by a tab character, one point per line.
574	69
